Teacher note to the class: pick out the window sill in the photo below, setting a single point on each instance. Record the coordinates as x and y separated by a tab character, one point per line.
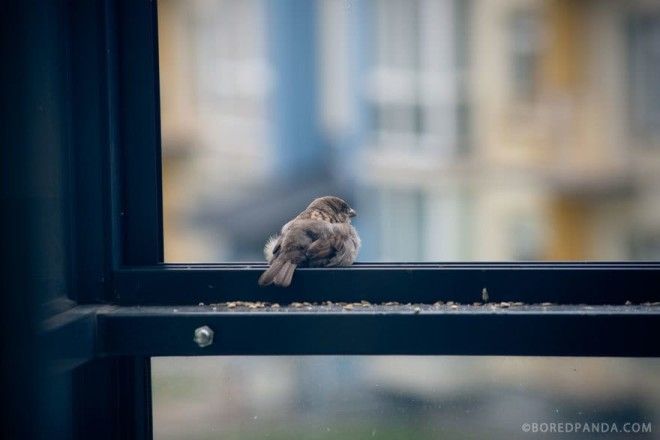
531	283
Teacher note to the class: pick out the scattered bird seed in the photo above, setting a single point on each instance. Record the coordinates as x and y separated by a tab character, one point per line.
417	307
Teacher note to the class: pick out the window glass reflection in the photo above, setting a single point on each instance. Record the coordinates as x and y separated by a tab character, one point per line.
357	397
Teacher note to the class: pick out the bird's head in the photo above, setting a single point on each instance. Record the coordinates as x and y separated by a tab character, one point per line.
332	209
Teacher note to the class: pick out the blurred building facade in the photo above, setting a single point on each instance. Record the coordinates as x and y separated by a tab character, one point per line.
556	111
461	130
548	150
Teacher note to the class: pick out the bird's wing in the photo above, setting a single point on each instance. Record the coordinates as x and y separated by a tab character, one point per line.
321	249
347	245
330	251
334	246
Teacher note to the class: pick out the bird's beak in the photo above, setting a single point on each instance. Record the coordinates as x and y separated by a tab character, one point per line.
352	213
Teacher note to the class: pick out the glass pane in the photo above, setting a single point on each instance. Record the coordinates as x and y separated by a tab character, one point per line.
407	397
467	130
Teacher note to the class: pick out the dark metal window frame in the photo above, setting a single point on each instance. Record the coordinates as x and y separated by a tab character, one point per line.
129	305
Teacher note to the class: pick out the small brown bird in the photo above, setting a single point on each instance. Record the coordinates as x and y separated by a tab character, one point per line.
320	236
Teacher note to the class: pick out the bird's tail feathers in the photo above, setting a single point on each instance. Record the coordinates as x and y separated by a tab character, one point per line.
279	273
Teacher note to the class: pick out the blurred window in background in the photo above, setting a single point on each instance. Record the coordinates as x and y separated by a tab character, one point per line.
644	31
394	88
460	130
526	53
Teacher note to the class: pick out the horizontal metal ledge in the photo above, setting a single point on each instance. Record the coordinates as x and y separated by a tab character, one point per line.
401	330
564	283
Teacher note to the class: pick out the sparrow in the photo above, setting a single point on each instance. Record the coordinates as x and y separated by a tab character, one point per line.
320	236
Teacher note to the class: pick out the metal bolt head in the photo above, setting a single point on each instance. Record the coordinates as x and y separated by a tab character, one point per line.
203	336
